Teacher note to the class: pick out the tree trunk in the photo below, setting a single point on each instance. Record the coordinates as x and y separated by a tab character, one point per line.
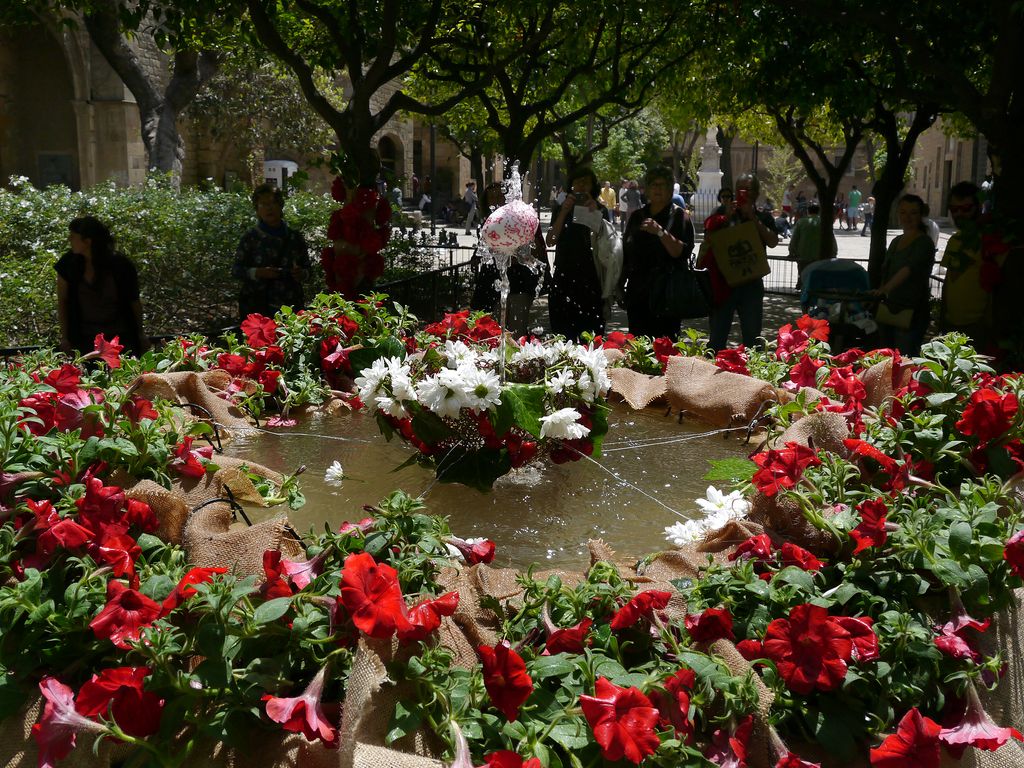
158	111
725	139
887	189
476	169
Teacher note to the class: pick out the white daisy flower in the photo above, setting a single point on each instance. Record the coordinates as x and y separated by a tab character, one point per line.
440	399
458	354
685	532
334	474
391	406
562	379
563	424
482	388
731	503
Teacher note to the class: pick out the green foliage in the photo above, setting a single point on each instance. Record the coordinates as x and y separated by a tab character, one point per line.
634	147
182	243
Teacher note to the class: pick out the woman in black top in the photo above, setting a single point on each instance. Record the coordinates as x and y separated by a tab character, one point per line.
655	234
97	291
574	301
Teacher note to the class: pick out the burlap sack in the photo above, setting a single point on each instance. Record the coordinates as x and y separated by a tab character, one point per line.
880	382
637	389
823	430
169	507
479	624
210	541
229	476
369	704
720	398
199	388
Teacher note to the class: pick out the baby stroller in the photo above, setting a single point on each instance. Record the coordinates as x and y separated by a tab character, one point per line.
837	290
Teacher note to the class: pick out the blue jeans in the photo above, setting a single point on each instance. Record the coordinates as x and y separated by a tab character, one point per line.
748	302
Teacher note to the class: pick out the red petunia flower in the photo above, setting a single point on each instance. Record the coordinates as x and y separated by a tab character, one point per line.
810	649
758	548
108	351
302	572
362	527
101	504
66	379
790	760
976	728
914	745
505	678
185	588
372	595
259	331
750	649
733	360
988	415
114	547
140	515
138	408
674	703
813	327
641	605
186	460
782	468
805	372
709	625
622	720
274	584
1013	553
728	747
799	557
425	617
870	532
865	641
507	759
953	638
60	723
792	341
664	348
480	551
118	692
897	472
569	639
615	340
124	615
303	714
845	383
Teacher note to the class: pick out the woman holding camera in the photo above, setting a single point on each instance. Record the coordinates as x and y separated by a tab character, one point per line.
574	301
656	234
272	259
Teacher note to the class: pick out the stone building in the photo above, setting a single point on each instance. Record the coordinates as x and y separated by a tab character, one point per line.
67	118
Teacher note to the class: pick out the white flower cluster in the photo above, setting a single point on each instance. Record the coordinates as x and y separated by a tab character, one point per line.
469	380
719	509
571	369
387	385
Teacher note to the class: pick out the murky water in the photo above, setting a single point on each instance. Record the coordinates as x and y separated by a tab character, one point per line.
649	471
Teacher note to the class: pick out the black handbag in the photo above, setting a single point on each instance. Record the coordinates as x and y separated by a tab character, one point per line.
679	290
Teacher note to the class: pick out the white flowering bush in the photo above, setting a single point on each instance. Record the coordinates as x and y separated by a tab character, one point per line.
449	402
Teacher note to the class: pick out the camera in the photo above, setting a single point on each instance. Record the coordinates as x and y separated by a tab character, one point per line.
742	196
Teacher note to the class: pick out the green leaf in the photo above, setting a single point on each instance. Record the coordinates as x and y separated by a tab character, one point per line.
430	428
526	402
960	537
544	667
950	573
272	610
570	734
797	577
477	469
403	722
730	470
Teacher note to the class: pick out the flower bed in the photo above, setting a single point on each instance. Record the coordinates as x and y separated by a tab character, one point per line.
859	632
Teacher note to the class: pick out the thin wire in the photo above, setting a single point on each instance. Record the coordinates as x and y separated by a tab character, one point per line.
310	434
625	482
660	441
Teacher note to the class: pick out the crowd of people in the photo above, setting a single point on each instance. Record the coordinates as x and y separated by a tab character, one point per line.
608	247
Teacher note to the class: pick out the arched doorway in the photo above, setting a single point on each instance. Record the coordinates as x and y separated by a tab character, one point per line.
40	139
392	156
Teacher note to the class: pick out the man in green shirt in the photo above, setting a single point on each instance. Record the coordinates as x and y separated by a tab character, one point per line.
853	207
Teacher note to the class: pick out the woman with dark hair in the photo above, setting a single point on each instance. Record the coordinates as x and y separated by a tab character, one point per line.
574	301
904	314
272	259
97	291
655	235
